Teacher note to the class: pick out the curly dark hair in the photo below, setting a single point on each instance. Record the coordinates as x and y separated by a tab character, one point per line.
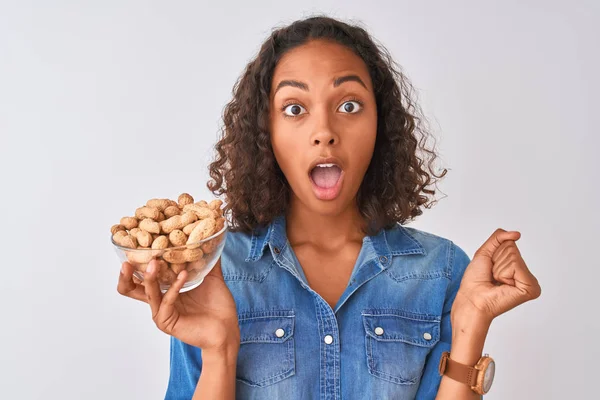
399	178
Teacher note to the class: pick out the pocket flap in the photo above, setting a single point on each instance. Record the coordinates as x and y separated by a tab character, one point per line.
266	327
396	325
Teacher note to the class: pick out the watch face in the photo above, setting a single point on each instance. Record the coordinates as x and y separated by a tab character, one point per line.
488	377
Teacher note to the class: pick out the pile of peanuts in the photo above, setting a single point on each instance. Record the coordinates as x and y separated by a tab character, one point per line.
170	231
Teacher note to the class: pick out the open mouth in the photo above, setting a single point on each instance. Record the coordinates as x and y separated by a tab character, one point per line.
326	180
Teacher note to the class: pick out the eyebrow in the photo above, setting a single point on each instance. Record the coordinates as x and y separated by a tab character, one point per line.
336	82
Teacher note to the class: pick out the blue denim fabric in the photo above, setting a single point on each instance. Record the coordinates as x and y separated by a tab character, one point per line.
389	328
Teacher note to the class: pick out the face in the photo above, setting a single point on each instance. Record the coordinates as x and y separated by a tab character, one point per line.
323	106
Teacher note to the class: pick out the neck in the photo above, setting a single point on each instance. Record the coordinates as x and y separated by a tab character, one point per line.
327	232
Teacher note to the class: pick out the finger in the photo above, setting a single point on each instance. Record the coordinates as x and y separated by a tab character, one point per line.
152	289
488	248
173	293
511	266
127	287
506	247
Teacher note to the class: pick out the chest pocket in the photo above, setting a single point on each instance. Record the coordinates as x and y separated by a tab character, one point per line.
266	353
397	343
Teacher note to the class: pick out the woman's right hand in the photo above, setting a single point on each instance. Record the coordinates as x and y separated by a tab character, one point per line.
204	317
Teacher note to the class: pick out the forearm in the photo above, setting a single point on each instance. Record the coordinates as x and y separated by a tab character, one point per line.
217	379
468	339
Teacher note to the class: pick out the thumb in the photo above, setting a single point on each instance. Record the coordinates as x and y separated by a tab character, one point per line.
488	248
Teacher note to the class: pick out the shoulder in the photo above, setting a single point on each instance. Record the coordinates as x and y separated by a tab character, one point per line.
437	254
236	259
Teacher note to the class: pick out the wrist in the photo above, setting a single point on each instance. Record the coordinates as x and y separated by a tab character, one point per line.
465	313
223	355
469	331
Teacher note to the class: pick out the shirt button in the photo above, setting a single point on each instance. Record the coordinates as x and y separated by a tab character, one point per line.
383	259
279	332
276	250
427	336
328	339
379	331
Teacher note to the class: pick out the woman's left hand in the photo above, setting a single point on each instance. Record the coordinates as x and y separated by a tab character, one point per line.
497	279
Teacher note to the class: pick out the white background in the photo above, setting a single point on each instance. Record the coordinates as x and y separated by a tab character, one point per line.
105	104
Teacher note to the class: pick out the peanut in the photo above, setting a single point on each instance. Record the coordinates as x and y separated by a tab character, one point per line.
188	218
191	255
215	204
165	274
150	226
125	241
147	212
185	199
177	222
160	204
189	228
139	257
161	217
119	235
160	243
177	268
211	245
116	228
200	211
203	230
170	224
129	222
144	238
172	211
177	238
174	256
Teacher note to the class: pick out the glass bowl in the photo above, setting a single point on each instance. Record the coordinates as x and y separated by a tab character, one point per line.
198	258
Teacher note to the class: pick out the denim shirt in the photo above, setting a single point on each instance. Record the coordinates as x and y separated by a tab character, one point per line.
383	339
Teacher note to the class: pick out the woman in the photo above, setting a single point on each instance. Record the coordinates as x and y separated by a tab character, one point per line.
321	292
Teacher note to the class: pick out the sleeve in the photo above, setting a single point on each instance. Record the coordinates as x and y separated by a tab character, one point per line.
430	380
185	368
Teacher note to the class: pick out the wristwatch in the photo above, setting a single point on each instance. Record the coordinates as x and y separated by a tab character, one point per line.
479	378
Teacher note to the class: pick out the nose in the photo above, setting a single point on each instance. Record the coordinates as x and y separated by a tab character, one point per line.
323	133
324	137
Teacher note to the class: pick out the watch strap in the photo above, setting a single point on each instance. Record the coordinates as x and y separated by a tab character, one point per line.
457	371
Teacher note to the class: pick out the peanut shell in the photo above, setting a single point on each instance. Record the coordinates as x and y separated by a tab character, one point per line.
215	204
171	211
177	268
160	204
150	226
165	274
144	238
177	238
129	222
139	257
185	199
116	228
160	243
204	229
200	211
174	256
125	241
189	228
147	212
191	255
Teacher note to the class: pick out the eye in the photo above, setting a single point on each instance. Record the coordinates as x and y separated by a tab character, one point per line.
351	106
294	109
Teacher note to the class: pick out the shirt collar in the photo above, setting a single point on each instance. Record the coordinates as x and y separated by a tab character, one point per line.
389	242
